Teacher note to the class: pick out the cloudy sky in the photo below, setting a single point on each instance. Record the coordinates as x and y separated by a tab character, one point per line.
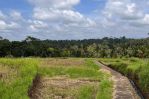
73	19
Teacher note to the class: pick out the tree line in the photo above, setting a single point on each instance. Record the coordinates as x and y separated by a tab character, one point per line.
102	48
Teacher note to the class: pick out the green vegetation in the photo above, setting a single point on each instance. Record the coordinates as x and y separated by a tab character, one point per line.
73	72
102	48
16	78
134	68
105	90
17	74
86	92
144	77
89	69
90	63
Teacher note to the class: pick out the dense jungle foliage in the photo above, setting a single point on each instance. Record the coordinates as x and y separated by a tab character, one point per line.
106	47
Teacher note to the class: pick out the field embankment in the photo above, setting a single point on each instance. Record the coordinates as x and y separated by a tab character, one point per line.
134	68
123	89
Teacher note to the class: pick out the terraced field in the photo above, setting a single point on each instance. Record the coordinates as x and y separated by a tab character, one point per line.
135	69
72	78
53	79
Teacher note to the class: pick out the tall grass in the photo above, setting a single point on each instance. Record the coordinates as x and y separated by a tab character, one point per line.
25	71
87	70
21	72
105	90
144	77
86	92
89	63
134	68
72	72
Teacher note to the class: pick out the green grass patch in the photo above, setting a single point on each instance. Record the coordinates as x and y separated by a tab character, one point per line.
90	64
72	72
86	92
20	73
25	71
105	90
135	68
144	77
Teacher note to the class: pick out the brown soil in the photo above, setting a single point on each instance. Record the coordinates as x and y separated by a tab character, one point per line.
122	86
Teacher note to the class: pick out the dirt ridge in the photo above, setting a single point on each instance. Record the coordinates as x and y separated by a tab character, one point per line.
122	86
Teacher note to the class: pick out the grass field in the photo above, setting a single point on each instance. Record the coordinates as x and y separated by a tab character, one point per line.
16	77
74	78
136	69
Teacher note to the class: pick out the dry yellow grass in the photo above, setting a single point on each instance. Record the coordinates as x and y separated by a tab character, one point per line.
69	78
7	74
61	88
50	62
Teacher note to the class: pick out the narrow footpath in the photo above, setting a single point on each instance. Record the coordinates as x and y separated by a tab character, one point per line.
122	88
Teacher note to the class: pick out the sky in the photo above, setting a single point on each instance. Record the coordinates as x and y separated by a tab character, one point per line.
73	19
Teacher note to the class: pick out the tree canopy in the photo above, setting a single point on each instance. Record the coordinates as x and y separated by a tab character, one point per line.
106	47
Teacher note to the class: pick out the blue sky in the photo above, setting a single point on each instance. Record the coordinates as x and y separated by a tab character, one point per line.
89	6
73	19
21	5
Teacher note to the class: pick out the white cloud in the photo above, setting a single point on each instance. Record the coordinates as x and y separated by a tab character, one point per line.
2	16
53	13
126	12
124	9
5	26
2	24
58	19
36	25
143	22
15	15
54	3
59	16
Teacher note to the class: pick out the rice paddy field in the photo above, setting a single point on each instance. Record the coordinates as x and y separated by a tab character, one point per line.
135	69
53	78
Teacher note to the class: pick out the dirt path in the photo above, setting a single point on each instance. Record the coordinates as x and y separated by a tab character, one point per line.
122	86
